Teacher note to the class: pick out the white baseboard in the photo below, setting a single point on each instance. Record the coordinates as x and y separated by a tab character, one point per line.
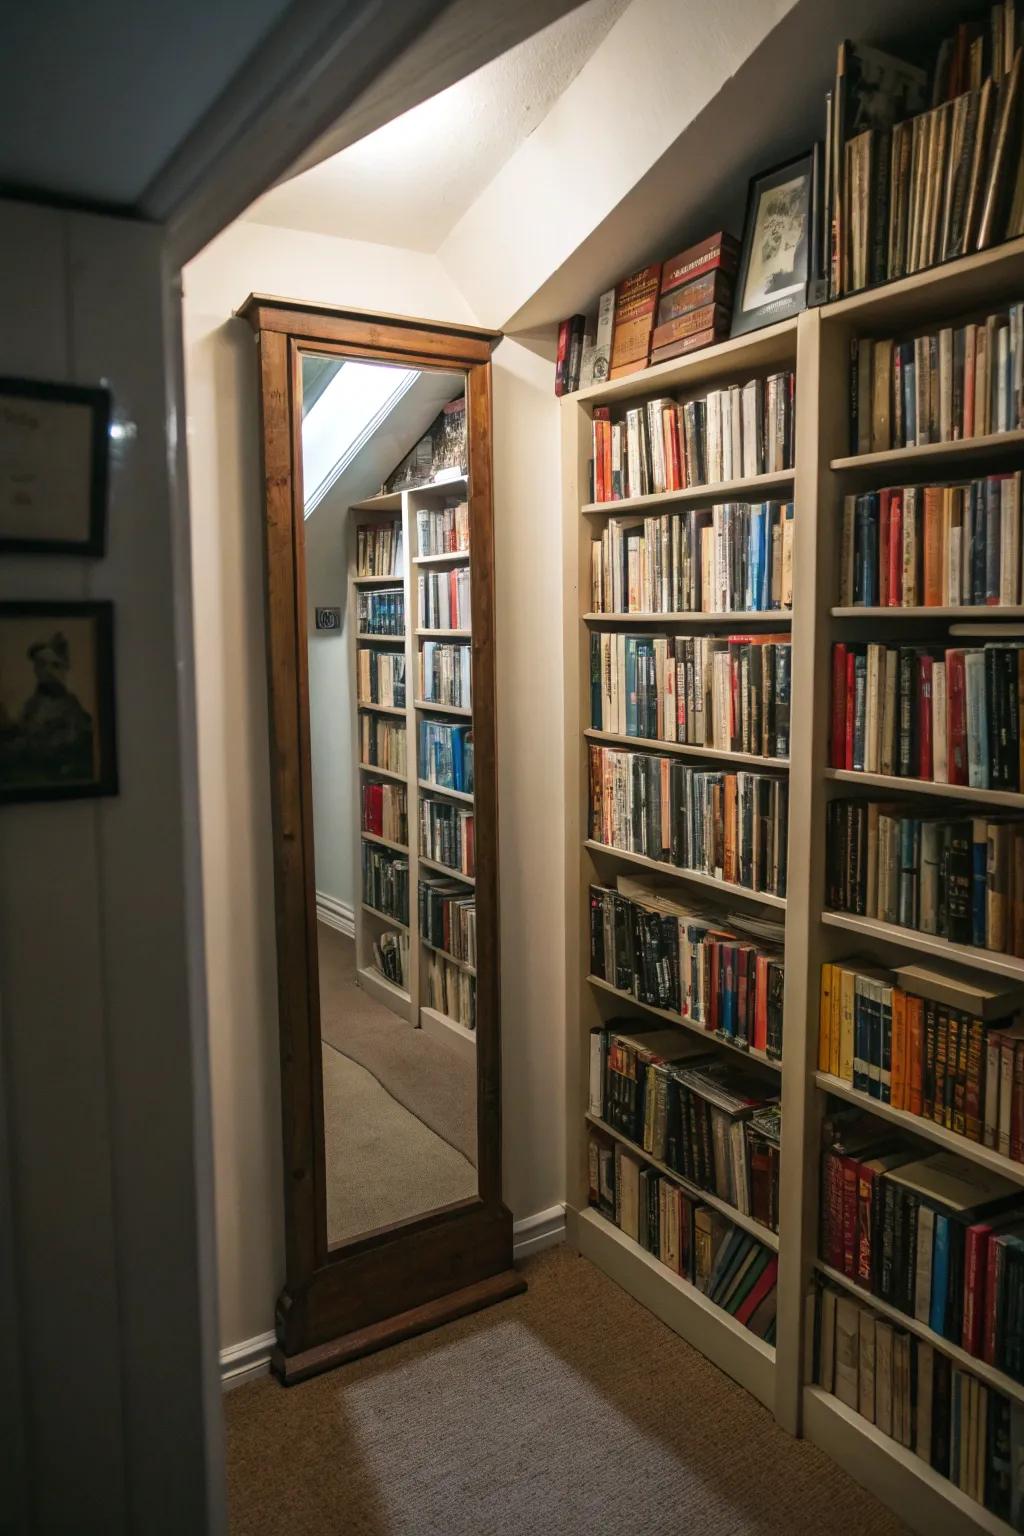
243	1362
336	914
541	1230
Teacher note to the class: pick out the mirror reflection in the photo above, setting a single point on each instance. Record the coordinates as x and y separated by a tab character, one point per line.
387	554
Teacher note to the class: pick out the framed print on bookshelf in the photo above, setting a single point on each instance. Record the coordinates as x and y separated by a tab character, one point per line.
54	443
774	261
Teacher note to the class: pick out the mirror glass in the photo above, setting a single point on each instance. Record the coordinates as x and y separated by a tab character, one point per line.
387	553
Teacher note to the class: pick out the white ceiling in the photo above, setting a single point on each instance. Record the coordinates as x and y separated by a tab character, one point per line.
411	181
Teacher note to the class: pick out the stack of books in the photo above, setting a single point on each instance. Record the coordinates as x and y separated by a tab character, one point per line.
931	1044
443	530
670	445
384	811
695	304
446	755
724	1262
386	881
379	549
446	835
446	674
448	917
734	558
948	715
730	693
961	878
444	601
380	677
671	955
382	611
730	826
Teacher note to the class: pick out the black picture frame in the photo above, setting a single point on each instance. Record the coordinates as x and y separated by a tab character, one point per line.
775	297
98	402
18	783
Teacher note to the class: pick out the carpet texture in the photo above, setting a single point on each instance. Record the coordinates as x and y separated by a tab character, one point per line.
383	1164
438	1086
569	1411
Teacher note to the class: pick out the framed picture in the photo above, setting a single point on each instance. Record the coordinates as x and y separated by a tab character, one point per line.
776	242
54	443
56	701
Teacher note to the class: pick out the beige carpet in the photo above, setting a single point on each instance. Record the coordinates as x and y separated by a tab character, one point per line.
438	1086
383	1164
569	1411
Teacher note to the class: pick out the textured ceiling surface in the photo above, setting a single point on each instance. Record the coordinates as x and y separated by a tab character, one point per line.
409	182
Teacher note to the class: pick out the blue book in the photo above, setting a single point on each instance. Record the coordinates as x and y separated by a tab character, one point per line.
940	1274
728	1015
909	393
979	872
631	725
861	1042
595	681
979	524
993	542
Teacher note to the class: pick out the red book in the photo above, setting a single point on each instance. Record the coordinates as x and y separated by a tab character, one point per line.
993	1275
760	1040
602	487
833	1209
884	552
562	360
635	301
758	1291
956	732
924	717
837	757
851	694
851	1172
975	1253
896	548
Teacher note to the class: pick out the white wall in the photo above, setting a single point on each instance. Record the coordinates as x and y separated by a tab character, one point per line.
109	1290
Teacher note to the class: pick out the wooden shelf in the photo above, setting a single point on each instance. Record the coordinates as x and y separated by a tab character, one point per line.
385	990
982	614
462	965
927	944
723	490
689	876
678	1303
894	783
449	1031
384	773
453	557
387	501
777	618
763	1234
384	916
377	581
444	634
383	842
451	794
926	454
710	1035
917	1125
758	352
444	709
444	869
683	749
984	277
382	709
381	639
933	1505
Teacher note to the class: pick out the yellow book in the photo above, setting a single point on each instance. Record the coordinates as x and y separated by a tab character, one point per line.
833	1039
847	1000
825	1019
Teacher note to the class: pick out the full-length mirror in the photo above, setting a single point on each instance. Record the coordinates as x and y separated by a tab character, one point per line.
388	556
379	571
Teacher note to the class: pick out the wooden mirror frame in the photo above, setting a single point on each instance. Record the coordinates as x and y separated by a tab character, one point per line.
347	1300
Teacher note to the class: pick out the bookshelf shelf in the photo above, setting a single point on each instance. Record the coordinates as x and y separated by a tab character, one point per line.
721	490
763	1234
387	501
377	581
733	1348
455	1035
682	749
449	794
894	783
745	355
383	773
445	634
381	709
364	636
923	455
444	709
383	917
461	965
453	557
916	1125
383	842
991	276
688	876
445	869
928	944
711	1036
776	618
969	615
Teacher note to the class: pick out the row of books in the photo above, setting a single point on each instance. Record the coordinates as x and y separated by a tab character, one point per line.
731	826
386	881
951	716
729	692
384	811
446	835
960	878
446	673
918	175
670	445
444	599
932	1045
733	558
446	755
934	1236
711	1121
722	1261
379	549
940	387
382	611
931	546
447	914
391	957
382	744
912	1392
449	989
711	970
443	530
380	677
